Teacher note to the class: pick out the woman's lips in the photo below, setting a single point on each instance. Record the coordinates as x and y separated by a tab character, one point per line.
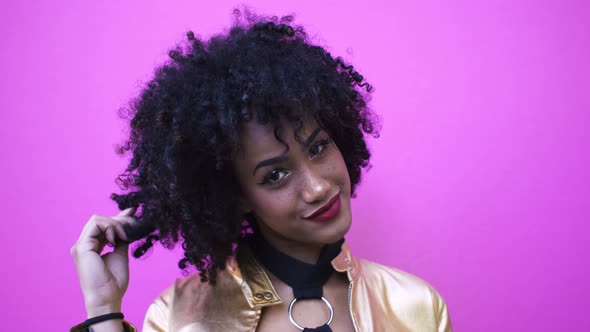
328	211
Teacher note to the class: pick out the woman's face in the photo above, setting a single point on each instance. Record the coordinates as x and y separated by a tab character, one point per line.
299	192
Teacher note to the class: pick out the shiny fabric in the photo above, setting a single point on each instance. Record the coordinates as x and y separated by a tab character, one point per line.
381	299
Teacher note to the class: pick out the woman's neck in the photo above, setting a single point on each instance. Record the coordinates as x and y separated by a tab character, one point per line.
302	251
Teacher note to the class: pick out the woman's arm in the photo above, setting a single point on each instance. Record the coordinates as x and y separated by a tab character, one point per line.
441	312
103	278
156	318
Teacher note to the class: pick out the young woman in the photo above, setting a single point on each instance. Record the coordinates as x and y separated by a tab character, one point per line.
248	148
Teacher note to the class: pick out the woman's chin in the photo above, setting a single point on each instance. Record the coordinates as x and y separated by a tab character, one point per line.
337	230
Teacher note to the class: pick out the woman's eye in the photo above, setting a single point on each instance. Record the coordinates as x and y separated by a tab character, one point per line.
318	148
275	176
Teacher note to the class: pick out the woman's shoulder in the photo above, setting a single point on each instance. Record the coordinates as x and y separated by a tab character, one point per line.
374	274
404	293
178	287
378	270
175	302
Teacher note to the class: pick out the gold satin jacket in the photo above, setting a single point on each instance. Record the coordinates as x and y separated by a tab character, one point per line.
380	299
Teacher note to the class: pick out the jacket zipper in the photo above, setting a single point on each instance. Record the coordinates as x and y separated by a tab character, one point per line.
350	306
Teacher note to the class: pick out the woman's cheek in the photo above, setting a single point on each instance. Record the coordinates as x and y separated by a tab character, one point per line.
270	203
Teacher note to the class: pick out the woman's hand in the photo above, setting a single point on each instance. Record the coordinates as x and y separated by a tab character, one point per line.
103	279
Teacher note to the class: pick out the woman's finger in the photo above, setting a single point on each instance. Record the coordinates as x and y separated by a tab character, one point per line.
127	212
96	225
120	232
95	235
110	234
92	227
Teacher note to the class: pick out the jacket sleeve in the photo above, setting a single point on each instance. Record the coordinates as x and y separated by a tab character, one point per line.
157	316
441	313
127	327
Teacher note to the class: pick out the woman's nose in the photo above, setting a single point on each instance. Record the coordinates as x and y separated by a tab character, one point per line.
315	186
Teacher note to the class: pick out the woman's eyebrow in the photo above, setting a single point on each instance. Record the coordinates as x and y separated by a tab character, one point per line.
271	161
312	137
283	158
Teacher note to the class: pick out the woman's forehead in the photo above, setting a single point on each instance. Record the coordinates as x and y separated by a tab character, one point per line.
258	139
252	132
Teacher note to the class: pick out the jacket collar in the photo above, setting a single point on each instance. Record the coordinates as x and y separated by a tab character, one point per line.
256	285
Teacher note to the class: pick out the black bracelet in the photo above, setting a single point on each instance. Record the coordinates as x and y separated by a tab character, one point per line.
98	319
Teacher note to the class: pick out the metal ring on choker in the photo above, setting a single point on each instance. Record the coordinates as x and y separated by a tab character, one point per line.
301	327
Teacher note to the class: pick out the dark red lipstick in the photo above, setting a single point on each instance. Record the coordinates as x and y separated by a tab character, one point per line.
328	211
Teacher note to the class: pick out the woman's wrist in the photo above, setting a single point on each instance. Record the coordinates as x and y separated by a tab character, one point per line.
94	311
108	326
110	322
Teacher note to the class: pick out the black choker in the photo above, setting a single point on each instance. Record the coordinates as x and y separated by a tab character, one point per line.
306	280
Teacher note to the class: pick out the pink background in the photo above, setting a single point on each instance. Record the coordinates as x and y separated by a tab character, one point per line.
479	183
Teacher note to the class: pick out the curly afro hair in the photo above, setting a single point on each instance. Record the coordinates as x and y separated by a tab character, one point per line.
185	129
